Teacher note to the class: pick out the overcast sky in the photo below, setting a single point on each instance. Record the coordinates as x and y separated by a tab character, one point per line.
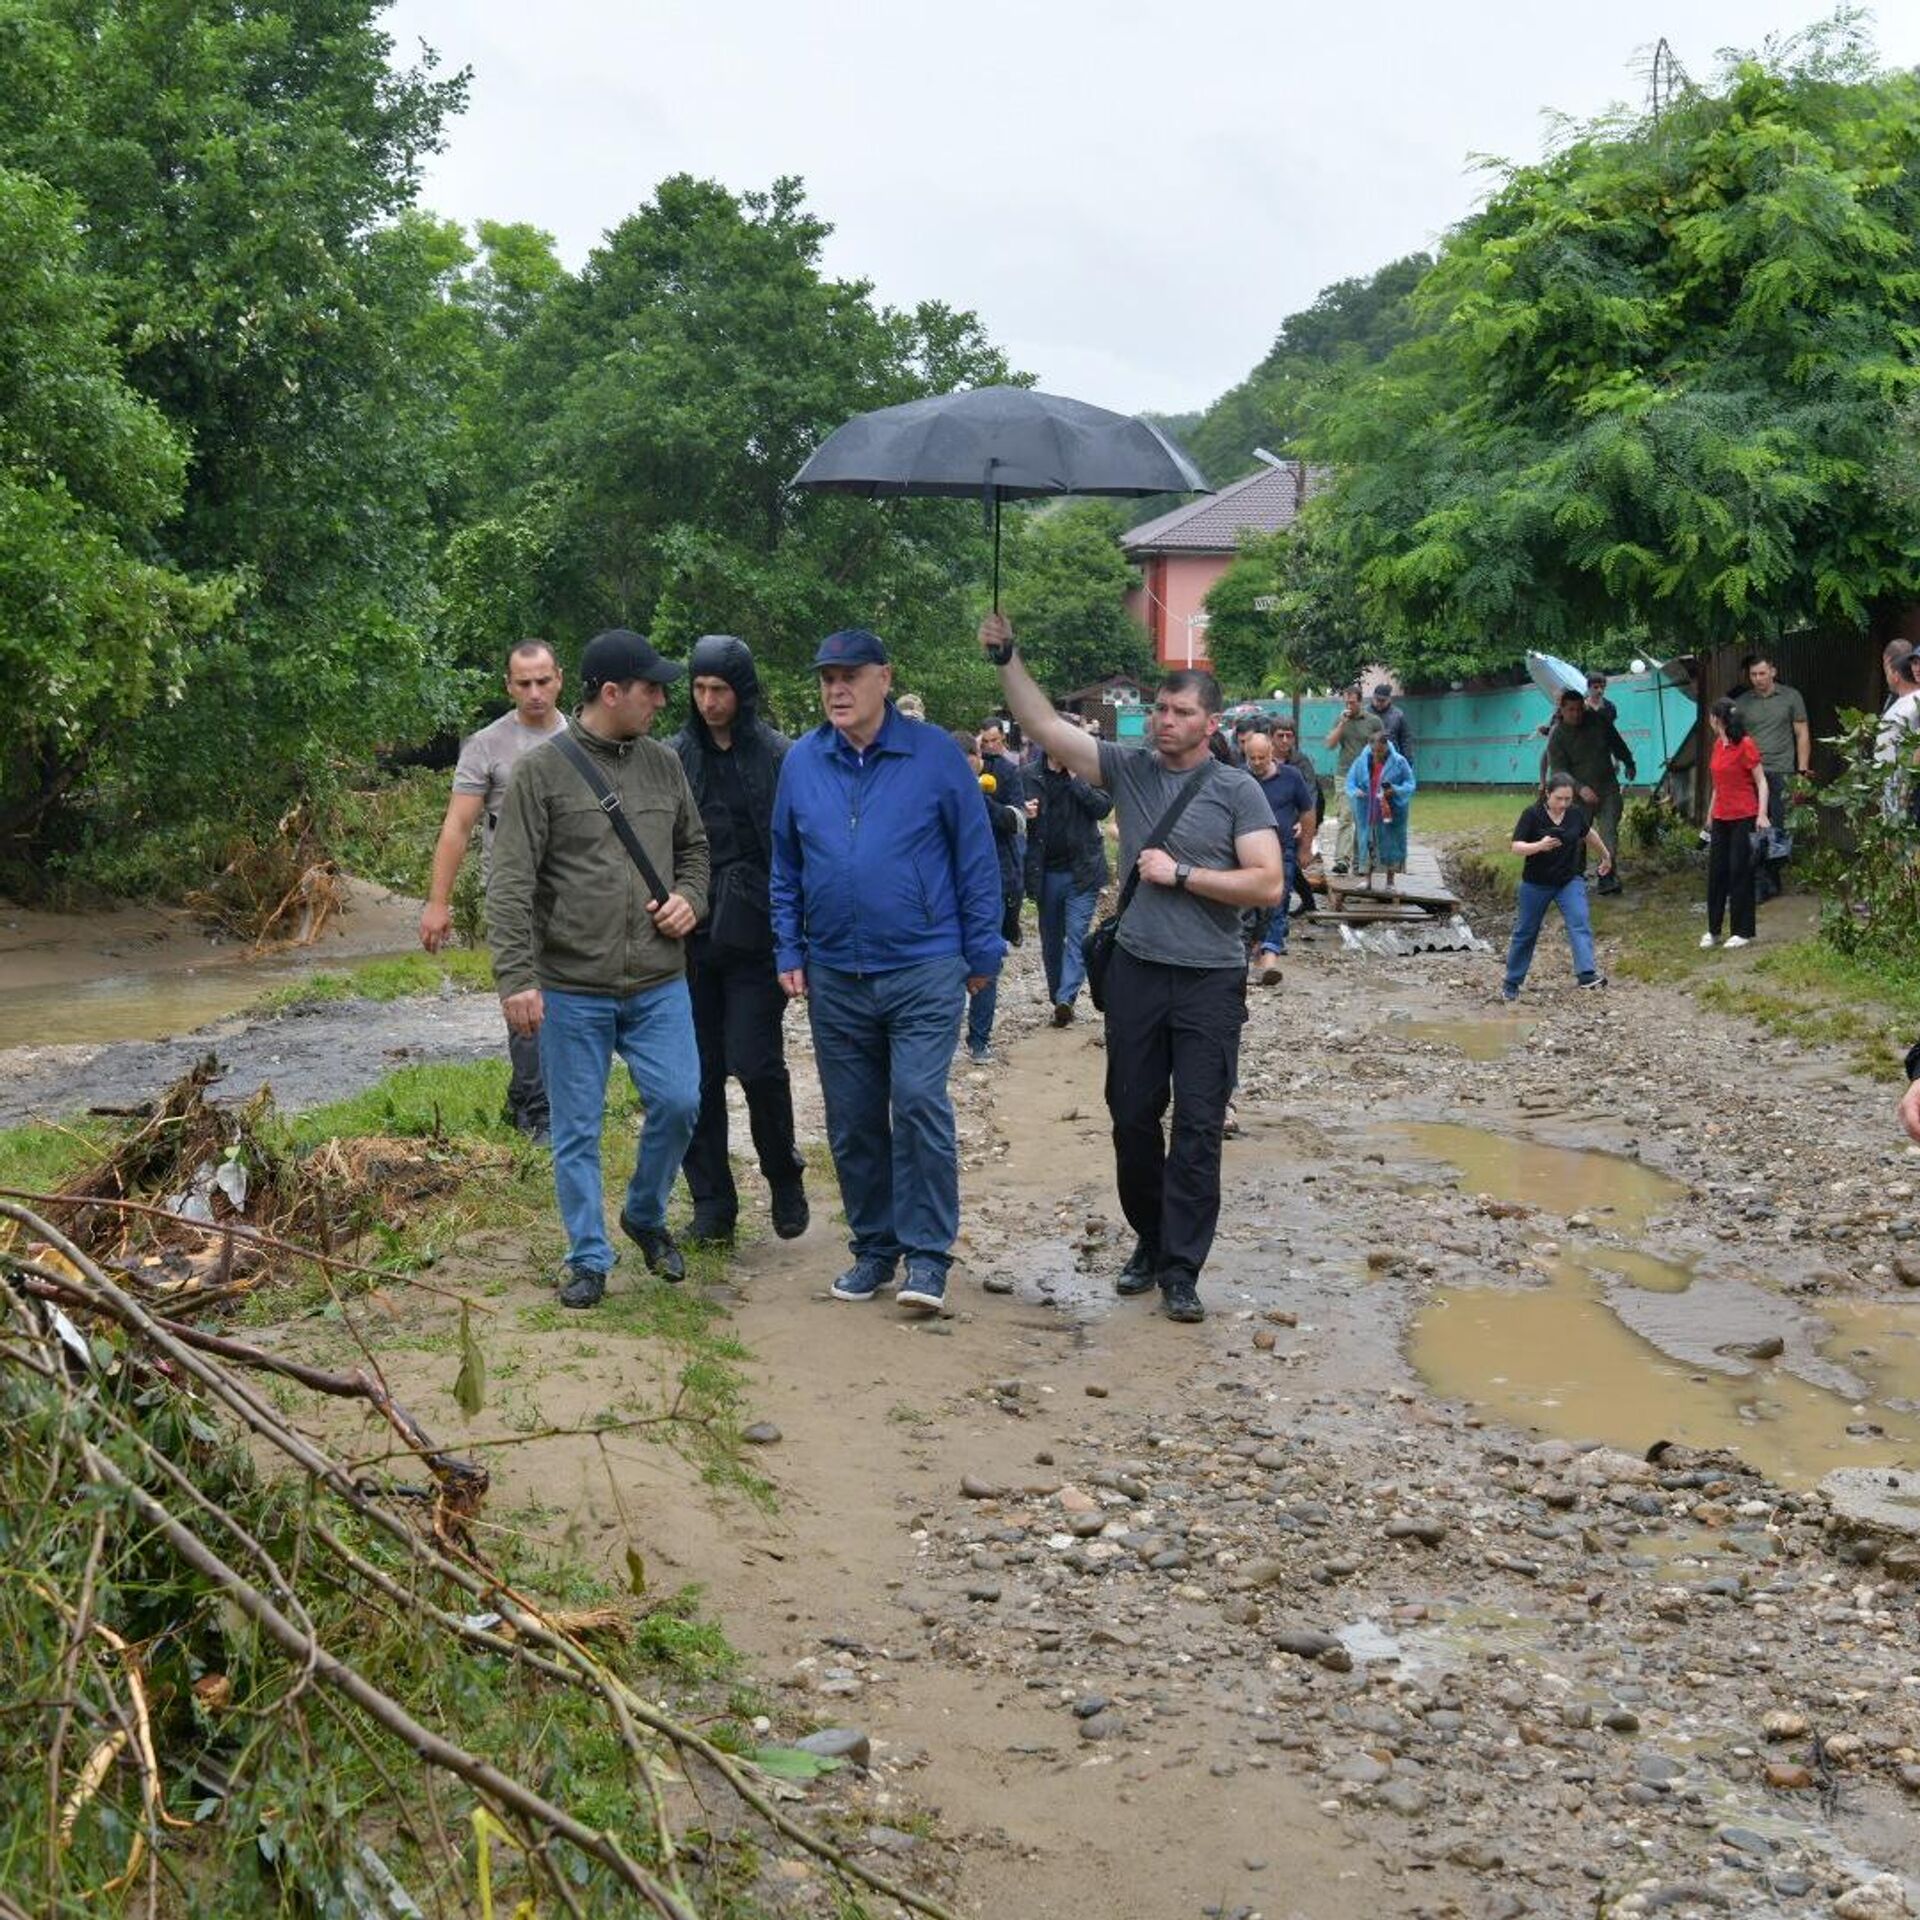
1131	196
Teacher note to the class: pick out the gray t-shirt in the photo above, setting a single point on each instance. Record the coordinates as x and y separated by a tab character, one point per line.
486	761
1180	929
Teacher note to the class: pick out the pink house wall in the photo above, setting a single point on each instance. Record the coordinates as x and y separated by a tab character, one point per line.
1175	585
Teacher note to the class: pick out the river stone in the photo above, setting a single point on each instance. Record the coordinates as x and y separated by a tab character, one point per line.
1307	1642
974	1488
1880	1496
1412	1526
1881	1898
838	1743
1100	1726
763	1433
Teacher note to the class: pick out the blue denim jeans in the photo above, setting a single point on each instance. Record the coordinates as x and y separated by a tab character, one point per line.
981	1007
1273	936
1066	912
1533	903
579	1036
883	1043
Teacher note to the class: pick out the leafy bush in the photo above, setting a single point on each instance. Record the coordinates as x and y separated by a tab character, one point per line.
1866	856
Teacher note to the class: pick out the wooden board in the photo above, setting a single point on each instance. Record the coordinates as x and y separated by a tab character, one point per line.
1345	889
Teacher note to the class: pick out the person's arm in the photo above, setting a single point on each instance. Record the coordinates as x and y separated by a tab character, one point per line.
1077	751
1802	747
1095	802
976	866
519	846
1760	787
1910	1100
784	887
1618	749
1257	880
436	917
1333	732
1601	848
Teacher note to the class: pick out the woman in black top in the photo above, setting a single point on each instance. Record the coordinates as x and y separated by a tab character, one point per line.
1548	837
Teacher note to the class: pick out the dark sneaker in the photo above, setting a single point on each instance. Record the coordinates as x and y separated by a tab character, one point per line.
1141	1274
925	1287
657	1249
863	1280
1509	994
981	1056
709	1230
1180	1300
1063	1013
791	1214
582	1287
1598	979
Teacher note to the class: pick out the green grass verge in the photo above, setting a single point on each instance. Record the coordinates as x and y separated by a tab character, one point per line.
394	977
38	1157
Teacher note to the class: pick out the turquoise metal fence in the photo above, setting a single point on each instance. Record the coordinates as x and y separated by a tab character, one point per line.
1492	739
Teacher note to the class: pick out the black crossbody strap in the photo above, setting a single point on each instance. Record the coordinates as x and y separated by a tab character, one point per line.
1162	827
603	792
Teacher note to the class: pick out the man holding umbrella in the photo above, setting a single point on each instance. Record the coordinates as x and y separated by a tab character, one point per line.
1176	986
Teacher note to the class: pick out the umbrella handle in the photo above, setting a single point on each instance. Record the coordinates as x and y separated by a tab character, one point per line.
990	517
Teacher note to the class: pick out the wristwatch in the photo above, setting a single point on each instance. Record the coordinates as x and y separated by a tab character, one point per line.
1000	655
1182	873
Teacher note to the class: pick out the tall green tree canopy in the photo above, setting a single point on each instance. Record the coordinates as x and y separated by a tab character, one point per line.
653	414
92	627
1666	381
240	174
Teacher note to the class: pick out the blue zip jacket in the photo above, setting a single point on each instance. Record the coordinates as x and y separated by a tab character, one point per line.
882	859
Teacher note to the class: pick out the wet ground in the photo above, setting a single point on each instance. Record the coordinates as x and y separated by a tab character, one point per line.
1363	1599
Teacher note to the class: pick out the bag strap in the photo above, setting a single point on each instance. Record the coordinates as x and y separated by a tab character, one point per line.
602	790
1162	828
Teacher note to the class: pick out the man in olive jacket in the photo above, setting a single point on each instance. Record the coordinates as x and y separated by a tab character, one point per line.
586	956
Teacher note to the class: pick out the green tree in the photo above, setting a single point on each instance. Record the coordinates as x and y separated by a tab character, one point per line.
653	413
92	628
1281	615
241	173
1066	581
1668	382
1353	322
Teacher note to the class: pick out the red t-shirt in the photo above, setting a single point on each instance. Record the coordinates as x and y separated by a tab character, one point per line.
1735	797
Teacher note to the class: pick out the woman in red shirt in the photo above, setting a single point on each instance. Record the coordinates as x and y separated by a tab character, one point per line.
1739	812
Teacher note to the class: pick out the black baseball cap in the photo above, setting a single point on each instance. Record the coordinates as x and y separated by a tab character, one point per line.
851	647
619	655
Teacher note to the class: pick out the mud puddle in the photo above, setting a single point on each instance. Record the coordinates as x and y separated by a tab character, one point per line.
1556	1359
1622	1193
149	1005
1478	1039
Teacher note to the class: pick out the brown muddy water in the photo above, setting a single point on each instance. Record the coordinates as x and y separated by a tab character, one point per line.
145	1006
1557	1360
1490	1039
1619	1193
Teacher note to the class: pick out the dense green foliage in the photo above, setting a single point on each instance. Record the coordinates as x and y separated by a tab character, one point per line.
1666	380
1353	323
240	175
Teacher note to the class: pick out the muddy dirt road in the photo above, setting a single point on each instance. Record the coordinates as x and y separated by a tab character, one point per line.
1362	1599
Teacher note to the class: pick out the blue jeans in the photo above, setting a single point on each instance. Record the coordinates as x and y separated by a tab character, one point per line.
1273	936
1533	904
1066	912
579	1035
883	1043
981	1008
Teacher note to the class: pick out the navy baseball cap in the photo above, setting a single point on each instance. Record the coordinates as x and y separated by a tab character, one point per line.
851	647
619	655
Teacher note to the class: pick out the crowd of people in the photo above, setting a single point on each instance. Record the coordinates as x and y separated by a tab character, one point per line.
666	901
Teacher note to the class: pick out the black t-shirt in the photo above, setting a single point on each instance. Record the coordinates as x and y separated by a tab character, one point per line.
1553	869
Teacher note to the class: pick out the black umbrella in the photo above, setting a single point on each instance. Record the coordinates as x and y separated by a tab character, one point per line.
1001	443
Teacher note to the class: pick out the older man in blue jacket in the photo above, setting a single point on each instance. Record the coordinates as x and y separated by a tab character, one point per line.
886	912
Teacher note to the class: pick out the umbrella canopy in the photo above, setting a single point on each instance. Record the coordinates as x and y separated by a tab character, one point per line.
997	443
1010	441
1553	676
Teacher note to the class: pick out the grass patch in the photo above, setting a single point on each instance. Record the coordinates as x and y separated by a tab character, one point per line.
40	1156
385	830
1868	1010
457	1097
395	977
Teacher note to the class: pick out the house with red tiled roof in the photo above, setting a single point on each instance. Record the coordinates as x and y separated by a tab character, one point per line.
1181	554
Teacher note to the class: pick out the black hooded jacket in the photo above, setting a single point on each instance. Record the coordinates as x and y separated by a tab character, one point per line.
756	753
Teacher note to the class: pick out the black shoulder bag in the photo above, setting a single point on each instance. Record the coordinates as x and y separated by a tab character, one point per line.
602	789
1096	950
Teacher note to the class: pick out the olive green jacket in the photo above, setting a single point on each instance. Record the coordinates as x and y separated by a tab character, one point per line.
566	906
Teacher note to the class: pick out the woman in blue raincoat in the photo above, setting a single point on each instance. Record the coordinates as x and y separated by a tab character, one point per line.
1380	795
